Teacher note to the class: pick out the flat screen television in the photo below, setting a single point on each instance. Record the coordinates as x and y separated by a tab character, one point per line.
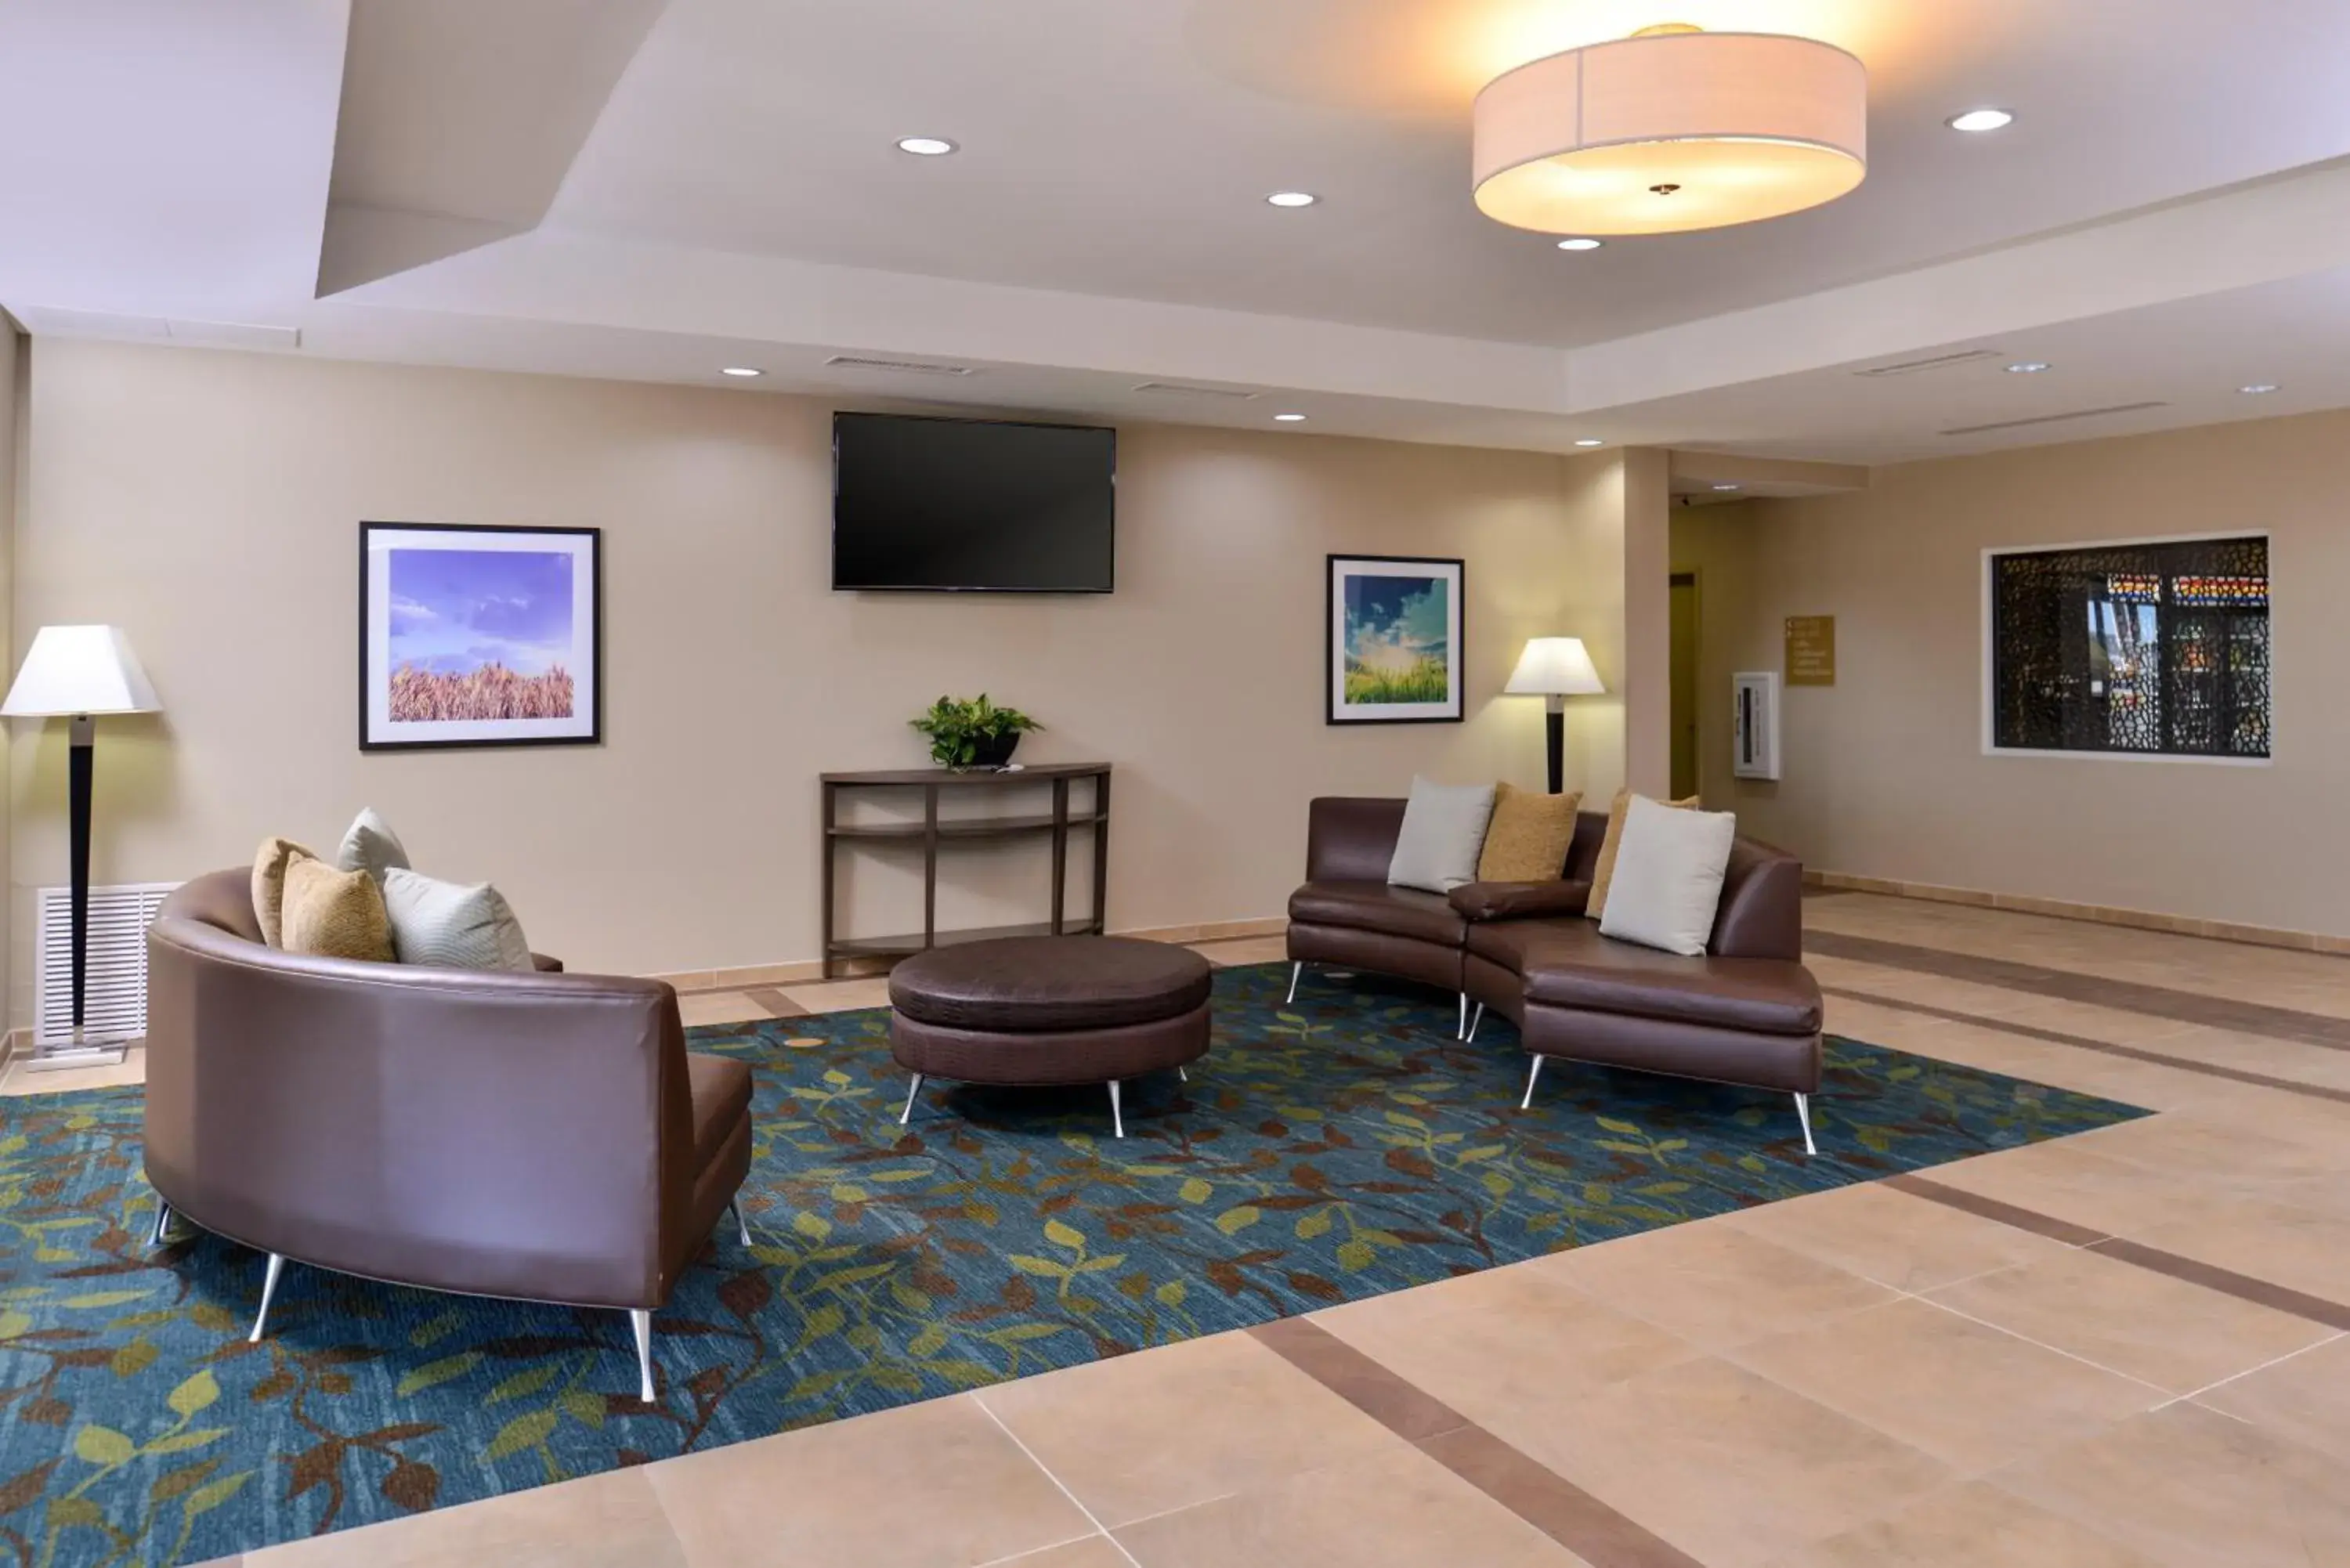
972	505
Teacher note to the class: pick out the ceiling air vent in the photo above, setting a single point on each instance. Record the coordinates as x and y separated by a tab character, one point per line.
1180	390
901	367
2052	418
1938	362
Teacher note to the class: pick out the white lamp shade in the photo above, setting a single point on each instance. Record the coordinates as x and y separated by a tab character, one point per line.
1555	667
74	670
1669	130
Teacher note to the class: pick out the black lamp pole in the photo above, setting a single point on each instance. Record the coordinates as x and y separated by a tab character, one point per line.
1554	730
77	779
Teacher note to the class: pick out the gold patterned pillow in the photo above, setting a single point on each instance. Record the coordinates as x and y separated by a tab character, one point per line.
1603	871
269	865
335	914
1528	838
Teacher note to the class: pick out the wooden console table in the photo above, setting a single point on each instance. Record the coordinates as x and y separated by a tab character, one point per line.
932	832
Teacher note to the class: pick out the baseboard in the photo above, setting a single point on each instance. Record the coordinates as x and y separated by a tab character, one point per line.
2095	914
808	971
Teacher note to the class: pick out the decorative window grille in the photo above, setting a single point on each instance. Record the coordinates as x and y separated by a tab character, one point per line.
2160	649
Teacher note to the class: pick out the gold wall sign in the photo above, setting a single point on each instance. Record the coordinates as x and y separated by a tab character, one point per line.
1810	650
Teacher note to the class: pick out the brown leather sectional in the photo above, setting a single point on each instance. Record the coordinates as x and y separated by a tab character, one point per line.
546	1137
1747	1012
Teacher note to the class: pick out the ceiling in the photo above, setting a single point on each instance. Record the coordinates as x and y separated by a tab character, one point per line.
651	189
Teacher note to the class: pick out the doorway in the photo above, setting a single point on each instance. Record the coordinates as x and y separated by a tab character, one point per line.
1684	681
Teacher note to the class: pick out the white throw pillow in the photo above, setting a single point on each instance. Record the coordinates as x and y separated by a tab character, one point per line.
1668	874
449	925
1443	831
370	846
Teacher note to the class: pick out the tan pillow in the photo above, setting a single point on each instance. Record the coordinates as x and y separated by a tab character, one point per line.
335	914
269	884
1603	871
1528	838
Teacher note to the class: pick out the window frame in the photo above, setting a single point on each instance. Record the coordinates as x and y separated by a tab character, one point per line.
1988	678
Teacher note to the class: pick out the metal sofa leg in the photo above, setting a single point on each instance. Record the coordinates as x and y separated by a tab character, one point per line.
268	1292
162	1222
1532	1074
1296	973
734	1207
1117	1114
1461	1030
1803	1115
642	1320
1475	1019
912	1089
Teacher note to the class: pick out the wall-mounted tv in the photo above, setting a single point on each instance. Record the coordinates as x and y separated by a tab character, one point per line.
972	505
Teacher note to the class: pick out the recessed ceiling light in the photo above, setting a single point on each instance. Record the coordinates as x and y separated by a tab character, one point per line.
1290	419
741	370
2257	387
1981	119
1725	487
1590	440
1580	243
2027	367
1292	198
925	146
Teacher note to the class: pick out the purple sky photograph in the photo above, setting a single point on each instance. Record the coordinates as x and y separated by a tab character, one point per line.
453	611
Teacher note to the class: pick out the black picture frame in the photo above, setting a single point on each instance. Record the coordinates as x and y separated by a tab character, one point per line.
372	658
1455	709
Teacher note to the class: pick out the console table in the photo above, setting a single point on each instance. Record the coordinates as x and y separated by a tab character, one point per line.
934	832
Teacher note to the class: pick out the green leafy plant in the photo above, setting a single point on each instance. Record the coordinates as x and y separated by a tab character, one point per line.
961	729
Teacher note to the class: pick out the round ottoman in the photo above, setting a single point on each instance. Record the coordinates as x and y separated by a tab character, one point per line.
1048	1010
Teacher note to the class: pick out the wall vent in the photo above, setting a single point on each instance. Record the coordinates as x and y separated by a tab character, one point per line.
2052	418
1938	362
1181	389
114	992
901	367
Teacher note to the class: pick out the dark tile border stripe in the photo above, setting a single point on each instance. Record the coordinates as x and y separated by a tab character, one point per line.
1536	1493
2211	1276
2065	985
1369	1386
2134	1053
775	1002
1974	1203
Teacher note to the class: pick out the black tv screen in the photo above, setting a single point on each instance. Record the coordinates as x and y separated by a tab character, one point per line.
973	505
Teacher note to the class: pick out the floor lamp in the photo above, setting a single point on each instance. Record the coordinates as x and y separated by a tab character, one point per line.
1554	669
78	672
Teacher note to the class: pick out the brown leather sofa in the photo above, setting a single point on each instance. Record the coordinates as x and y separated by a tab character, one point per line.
1747	1012
543	1137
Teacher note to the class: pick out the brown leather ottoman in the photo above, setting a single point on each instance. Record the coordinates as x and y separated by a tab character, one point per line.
1048	1010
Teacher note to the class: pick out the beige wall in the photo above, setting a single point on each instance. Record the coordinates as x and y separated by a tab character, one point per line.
209	503
1884	773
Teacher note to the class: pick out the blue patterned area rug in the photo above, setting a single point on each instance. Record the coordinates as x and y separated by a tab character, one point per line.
1324	1152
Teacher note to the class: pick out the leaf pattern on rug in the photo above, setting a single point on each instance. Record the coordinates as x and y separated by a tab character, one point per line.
1324	1152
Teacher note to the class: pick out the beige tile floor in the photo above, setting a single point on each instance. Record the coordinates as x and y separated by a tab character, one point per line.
2121	1350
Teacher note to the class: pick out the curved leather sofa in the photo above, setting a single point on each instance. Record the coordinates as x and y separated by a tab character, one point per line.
544	1136
1745	1013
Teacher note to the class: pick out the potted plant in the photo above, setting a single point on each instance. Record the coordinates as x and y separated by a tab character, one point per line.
973	733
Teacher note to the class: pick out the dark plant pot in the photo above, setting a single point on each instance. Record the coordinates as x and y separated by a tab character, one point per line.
994	750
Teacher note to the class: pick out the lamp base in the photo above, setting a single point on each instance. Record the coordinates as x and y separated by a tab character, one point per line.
79	1048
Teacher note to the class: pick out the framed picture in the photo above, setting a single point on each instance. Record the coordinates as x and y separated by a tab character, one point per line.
1394	641
480	635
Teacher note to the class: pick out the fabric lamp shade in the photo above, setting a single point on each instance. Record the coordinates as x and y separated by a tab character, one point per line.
1670	130
77	669
1555	667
